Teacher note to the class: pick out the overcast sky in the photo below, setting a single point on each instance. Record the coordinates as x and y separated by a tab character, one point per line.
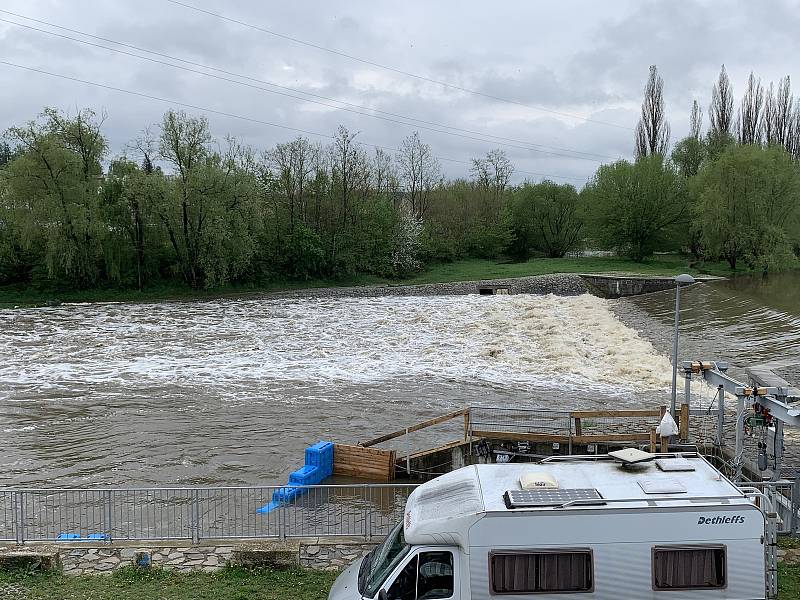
585	60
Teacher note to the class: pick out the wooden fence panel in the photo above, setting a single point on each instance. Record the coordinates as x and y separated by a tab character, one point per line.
365	463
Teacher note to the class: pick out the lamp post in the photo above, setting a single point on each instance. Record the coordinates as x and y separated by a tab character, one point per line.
679	280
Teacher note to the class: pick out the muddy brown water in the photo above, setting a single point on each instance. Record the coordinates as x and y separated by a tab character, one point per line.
229	392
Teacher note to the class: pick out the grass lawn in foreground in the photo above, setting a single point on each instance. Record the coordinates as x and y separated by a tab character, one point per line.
229	584
130	584
464	270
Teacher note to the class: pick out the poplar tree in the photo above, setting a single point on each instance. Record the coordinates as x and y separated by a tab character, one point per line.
652	131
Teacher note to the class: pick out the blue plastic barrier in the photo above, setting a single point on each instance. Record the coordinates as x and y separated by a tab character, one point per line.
64	537
318	467
320	455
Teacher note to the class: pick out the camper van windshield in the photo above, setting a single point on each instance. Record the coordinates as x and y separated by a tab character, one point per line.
381	561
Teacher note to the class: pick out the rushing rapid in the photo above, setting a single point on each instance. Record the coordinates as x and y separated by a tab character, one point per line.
231	391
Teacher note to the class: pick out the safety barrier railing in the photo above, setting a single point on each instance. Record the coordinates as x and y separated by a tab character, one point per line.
784	496
360	510
542	425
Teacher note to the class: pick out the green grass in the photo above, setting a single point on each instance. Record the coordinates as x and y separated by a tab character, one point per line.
788	577
130	584
229	584
788	582
464	270
468	270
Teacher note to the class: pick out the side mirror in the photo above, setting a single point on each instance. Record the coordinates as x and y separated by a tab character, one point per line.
382	595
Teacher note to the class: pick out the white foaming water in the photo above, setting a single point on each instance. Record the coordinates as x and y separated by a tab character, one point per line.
231	391
237	346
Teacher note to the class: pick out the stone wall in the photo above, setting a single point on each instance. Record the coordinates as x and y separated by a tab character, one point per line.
80	561
560	284
332	556
311	553
81	558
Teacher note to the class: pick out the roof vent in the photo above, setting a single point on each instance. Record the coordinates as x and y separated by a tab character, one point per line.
662	486
674	464
538	481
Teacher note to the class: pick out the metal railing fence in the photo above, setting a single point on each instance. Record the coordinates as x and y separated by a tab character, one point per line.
520	420
784	496
361	510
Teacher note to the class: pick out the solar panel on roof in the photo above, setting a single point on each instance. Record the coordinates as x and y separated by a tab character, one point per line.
545	497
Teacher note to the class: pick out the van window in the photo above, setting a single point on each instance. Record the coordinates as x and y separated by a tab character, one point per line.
428	576
540	572
688	567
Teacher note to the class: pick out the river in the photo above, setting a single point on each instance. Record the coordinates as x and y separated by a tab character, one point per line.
229	392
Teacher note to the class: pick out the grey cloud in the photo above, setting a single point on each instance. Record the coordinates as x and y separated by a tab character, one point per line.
572	57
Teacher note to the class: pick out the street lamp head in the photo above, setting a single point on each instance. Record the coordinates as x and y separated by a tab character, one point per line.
684	278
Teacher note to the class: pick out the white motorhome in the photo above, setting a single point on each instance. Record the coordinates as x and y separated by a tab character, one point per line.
670	528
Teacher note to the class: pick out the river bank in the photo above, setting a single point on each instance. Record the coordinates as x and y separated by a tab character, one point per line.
467	272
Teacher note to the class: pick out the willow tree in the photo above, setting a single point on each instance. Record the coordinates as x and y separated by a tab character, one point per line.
53	184
545	218
130	195
638	209
750	202
207	207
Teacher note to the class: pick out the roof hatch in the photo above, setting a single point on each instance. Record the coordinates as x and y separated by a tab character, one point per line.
662	486
674	464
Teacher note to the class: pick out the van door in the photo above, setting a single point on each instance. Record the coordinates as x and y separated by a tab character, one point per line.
429	573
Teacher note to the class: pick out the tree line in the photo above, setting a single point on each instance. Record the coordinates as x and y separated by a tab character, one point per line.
730	193
181	206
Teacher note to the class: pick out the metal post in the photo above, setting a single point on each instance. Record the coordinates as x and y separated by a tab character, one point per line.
569	420
408	454
370	508
195	512
778	449
282	516
737	457
687	389
18	506
675	349
720	417
109	513
794	525
678	281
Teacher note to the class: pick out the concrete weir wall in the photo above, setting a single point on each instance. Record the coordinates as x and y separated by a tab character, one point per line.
619	286
77	558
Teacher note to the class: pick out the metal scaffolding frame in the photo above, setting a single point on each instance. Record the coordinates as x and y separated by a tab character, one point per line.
774	399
